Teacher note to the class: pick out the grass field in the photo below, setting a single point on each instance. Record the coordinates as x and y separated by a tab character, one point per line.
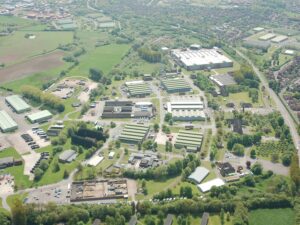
103	58
272	217
237	98
10	199
16	47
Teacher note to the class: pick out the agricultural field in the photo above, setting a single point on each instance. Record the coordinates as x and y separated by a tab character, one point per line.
16	48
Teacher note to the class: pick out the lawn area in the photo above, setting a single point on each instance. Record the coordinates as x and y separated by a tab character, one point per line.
2	210
103	58
272	217
215	220
10	152
237	98
193	220
15	48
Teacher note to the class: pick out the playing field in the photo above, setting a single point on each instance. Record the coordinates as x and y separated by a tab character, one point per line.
15	48
103	58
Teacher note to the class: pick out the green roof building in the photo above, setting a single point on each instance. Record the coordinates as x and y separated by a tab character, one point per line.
17	104
190	140
134	134
7	124
176	85
39	117
138	89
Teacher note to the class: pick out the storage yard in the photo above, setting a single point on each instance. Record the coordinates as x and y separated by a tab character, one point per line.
98	190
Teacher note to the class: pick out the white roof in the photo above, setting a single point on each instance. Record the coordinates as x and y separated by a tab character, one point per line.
200	57
289	52
258	28
208	185
267	36
188	113
199	174
279	38
94	161
143	103
111	154
134	82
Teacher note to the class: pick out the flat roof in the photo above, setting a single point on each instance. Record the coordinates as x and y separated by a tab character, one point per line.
279	38
267	37
199	174
223	79
39	115
200	57
6	122
205	187
94	161
17	103
68	155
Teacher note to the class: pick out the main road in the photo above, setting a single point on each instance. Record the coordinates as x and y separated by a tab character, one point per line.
280	106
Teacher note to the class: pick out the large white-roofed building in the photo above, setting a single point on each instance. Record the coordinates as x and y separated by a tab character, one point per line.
17	103
7	124
205	187
200	59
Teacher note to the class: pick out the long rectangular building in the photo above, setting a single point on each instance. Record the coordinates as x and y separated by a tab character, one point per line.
134	133
176	85
138	89
200	59
190	140
117	109
7	124
39	117
17	104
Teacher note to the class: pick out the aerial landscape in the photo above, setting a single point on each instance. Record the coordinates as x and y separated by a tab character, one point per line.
149	112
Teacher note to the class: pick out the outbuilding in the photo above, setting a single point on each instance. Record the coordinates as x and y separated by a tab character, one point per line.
199	175
67	156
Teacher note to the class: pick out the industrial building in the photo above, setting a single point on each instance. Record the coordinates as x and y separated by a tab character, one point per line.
222	80
117	109
7	124
186	108
279	39
199	175
17	104
258	29
143	110
67	156
201	59
39	117
138	88
144	160
205	187
94	190
190	140
135	134
267	37
176	85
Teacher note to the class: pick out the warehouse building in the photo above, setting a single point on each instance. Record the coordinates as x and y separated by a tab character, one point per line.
39	117
138	88
279	39
17	104
176	85
267	37
186	108
7	124
117	109
258	29
200	59
134	134
67	156
199	175
223	80
190	140
205	187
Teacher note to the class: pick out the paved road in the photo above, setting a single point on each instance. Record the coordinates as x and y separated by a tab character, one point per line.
284	112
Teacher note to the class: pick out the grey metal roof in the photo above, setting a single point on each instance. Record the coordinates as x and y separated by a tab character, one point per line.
199	174
6	122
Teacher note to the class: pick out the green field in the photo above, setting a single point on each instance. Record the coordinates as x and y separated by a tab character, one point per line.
272	217
15	48
103	58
